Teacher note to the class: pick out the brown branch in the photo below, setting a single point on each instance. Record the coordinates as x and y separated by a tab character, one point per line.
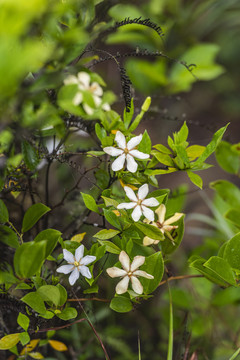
179	278
89	299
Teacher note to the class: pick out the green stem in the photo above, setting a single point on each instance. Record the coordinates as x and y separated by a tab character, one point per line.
170	337
19	235
234	356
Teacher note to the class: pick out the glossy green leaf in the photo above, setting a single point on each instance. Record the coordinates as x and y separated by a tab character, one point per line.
153	265
221	268
51	236
90	202
30	155
163	149
68	314
195	179
227	158
49	293
121	304
4	217
8	236
233	215
232	252
110	246
63	294
163	158
35	301
32	215
106	234
145	145
149	230
208	273
112	218
24	338
109	201
227	191
23	321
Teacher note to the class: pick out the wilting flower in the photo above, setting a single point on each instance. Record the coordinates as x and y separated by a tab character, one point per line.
126	152
139	203
164	225
82	80
129	272
77	264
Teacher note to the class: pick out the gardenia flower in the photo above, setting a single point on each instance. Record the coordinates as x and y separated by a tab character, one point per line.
82	80
129	272
77	264
126	151
164	225
139	203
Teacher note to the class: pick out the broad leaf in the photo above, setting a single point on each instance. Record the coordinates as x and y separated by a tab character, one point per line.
153	265
149	230
90	202
106	234
4	217
32	215
121	304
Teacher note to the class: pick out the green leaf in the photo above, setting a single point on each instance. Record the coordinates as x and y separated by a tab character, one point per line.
163	158
35	301
182	135
221	268
227	158
106	234
90	203
8	236
153	265
112	218
167	246
4	217
121	304
9	341
182	154
100	132
110	247
139	117
163	149
51	236
194	151
149	230
29	257
102	178
24	338
109	201
227	191
63	294
30	155
226	296
23	321
68	314
145	145
211	147
195	179
232	252
233	215
49	293
32	215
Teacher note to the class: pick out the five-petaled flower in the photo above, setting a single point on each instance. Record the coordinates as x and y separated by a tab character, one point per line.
126	152
77	264
129	272
82	80
164	225
139	203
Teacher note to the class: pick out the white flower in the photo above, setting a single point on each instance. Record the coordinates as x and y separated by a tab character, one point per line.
126	151
164	225
82	80
129	272
139	203
77	264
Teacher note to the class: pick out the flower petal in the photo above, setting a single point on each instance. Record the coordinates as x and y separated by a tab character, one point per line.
134	142
97	100
106	107
129	205
84	79
71	79
88	109
88	259
79	253
143	274
173	219
84	270
65	269
136	285
161	212
124	260
148	213
74	276
130	193
148	241
131	164
120	140
119	163
137	213
116	272
143	191
122	286
68	256
96	89
150	202
137	261
139	154
77	99
110	150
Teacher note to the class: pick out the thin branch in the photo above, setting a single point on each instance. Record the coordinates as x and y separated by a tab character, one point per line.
181	277
89	299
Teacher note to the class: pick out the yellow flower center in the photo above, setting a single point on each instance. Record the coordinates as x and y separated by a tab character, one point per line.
76	263
126	151
93	88
139	202
130	273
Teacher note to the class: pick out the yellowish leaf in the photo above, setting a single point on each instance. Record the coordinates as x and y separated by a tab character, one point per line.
129	185
36	355
116	212
58	345
78	238
8	341
114	131
29	347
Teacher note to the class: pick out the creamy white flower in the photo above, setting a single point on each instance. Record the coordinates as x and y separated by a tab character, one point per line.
129	272
77	264
126	152
82	80
139	203
164	225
